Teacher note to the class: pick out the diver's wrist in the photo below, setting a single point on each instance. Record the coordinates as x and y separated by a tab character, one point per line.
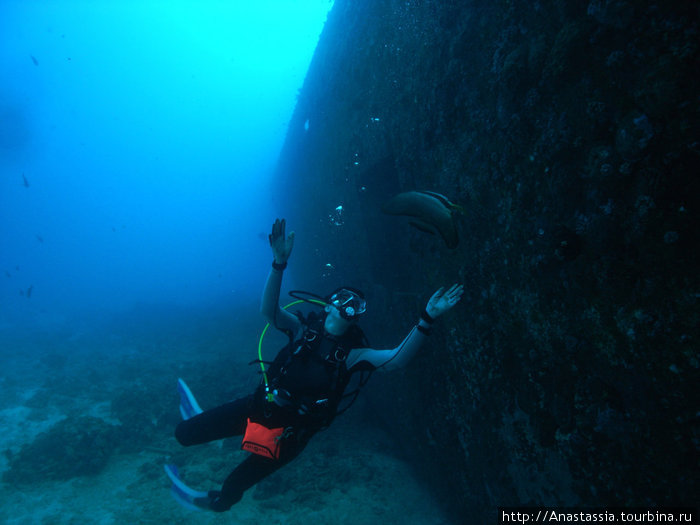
424	329
279	266
425	316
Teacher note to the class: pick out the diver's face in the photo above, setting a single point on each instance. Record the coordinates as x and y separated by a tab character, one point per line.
335	324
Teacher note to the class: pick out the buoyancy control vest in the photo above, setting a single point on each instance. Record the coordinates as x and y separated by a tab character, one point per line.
309	376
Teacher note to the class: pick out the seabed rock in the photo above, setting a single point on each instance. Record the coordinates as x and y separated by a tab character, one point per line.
76	446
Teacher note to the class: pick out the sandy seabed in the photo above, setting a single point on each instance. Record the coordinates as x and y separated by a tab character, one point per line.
348	474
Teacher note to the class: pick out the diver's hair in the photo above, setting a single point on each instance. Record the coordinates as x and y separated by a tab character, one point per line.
357	336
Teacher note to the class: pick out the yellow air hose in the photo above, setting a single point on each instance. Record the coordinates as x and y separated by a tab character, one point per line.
262	336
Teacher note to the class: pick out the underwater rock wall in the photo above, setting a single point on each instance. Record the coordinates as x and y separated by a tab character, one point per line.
568	132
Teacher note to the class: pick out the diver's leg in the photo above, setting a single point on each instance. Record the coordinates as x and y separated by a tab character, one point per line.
221	422
251	471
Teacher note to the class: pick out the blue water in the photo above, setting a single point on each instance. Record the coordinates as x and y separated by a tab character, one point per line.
137	146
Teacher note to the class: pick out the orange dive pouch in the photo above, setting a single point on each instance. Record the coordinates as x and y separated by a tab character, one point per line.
261	440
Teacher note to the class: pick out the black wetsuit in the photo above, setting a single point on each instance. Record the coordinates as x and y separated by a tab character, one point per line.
229	420
318	381
307	413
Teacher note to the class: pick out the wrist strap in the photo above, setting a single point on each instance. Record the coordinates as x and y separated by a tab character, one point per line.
279	267
426	317
423	330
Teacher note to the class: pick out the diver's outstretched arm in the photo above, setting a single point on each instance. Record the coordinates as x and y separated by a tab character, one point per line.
440	302
269	306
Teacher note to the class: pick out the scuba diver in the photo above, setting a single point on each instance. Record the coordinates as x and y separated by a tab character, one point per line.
301	389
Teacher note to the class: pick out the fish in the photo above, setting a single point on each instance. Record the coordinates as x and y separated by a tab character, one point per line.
426	228
36	62
25	182
431	212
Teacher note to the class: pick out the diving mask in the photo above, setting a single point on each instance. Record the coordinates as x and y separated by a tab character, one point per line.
349	303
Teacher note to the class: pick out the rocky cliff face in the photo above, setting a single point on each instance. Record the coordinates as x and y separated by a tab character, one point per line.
568	132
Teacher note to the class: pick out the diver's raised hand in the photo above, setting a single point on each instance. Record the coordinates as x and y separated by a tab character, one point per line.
281	245
442	300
